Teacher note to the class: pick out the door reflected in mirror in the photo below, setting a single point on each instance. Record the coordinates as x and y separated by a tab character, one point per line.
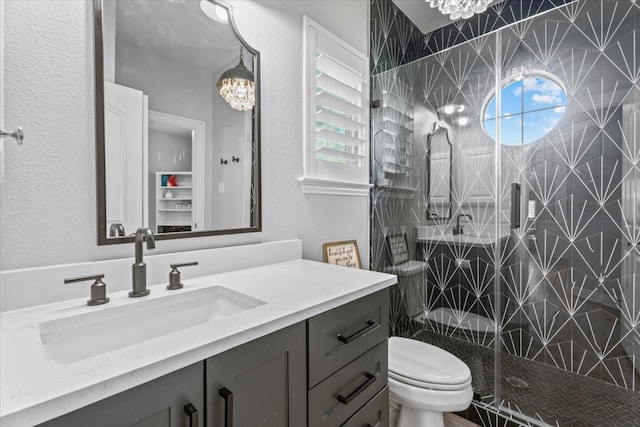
173	153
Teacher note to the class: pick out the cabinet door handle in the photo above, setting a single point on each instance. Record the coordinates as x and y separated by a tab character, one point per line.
192	413
371	325
228	406
371	378
375	425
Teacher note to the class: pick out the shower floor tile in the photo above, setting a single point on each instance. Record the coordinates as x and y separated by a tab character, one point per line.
551	395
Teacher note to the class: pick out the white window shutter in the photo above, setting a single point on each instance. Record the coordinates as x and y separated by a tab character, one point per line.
336	139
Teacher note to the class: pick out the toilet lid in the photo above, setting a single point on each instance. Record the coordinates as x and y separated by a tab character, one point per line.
424	365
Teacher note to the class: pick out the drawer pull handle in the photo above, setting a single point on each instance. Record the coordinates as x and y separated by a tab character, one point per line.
371	325
371	378
375	425
192	413
228	406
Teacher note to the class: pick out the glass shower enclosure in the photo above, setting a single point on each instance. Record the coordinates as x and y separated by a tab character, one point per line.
510	165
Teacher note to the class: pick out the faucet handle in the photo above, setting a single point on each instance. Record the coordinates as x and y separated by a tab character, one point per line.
457	229
174	275
98	288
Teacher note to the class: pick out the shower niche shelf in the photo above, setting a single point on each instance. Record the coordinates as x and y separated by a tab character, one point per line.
394	146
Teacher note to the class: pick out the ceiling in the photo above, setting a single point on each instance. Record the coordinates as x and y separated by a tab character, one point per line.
424	16
178	30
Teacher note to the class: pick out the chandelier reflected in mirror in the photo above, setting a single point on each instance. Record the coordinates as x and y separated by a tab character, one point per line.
457	9
237	86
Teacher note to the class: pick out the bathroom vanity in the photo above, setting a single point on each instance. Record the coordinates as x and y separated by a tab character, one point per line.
264	382
306	347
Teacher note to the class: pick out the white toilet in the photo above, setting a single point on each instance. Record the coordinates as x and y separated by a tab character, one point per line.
424	382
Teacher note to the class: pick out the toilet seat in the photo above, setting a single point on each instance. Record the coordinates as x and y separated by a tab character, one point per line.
423	399
429	385
426	366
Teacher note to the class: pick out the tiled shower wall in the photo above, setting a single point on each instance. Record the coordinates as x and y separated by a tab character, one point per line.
396	41
569	286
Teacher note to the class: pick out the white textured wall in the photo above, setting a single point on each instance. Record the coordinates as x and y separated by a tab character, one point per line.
47	200
231	137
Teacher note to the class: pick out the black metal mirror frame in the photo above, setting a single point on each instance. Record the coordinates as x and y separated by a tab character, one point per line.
256	208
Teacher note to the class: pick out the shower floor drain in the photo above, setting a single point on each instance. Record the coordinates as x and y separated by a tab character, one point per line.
517	382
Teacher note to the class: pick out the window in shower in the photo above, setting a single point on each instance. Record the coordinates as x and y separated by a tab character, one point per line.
532	104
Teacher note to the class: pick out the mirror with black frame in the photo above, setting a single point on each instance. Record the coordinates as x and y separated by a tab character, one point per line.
439	172
177	120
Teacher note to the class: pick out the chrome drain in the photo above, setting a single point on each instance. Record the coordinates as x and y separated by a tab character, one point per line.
517	382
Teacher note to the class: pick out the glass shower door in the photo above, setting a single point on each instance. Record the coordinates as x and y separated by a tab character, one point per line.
569	185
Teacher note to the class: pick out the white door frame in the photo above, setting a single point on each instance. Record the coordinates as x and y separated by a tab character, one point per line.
197	129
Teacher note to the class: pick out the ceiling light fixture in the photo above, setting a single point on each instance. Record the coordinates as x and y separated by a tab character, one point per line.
521	72
214	11
449	109
457	9
237	86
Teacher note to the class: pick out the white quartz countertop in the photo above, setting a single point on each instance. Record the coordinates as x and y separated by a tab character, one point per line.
34	388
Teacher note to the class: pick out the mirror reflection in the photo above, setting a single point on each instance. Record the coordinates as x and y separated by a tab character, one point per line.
178	134
439	167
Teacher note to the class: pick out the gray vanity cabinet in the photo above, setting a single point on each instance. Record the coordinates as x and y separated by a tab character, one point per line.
261	383
347	356
169	401
327	371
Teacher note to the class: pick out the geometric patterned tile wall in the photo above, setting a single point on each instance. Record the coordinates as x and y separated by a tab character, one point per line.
571	272
568	279
396	41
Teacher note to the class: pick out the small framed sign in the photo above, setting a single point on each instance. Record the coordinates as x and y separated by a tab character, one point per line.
398	248
342	253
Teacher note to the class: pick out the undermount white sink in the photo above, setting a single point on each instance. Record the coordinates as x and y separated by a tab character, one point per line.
80	336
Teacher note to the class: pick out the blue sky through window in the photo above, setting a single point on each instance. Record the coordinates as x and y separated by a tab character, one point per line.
531	108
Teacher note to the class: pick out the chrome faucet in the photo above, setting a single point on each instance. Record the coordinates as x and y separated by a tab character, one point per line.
459	229
139	269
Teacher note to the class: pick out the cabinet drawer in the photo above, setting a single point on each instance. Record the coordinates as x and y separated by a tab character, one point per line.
337	398
340	335
374	414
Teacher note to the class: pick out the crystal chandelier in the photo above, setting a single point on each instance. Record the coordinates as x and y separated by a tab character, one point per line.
457	9
237	86
520	72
